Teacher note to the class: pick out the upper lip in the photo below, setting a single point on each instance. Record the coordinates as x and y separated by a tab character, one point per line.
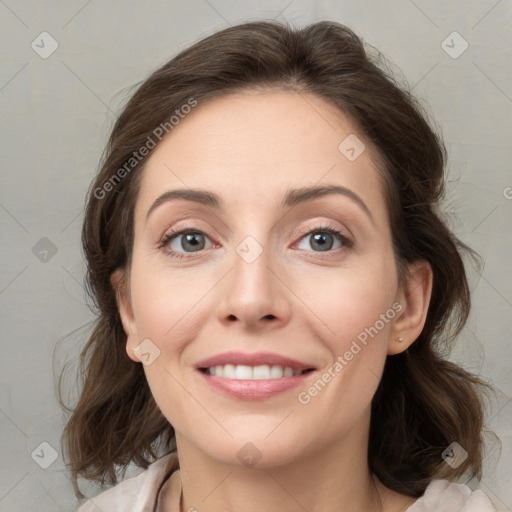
254	359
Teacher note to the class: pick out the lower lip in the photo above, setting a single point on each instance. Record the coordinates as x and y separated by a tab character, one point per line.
258	389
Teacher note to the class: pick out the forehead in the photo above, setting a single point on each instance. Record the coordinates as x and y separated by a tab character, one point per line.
252	146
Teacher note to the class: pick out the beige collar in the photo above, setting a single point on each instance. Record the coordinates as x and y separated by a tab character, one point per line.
169	497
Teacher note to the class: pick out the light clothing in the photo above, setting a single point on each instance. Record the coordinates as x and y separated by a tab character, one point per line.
141	493
444	496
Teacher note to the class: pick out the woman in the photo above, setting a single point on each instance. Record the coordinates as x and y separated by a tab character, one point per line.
274	285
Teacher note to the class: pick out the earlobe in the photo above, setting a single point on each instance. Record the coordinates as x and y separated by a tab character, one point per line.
124	307
415	300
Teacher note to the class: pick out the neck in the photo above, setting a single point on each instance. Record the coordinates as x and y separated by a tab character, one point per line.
328	480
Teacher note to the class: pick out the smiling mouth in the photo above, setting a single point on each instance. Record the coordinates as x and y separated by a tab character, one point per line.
260	372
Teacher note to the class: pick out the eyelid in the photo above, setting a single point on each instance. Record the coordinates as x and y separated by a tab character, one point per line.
319	226
173	233
347	241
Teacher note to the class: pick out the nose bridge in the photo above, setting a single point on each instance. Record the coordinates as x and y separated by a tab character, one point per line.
251	277
252	292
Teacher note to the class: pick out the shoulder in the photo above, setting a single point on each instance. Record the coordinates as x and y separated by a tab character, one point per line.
136	494
445	496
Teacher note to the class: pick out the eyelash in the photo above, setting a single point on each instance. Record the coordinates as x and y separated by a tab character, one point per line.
168	237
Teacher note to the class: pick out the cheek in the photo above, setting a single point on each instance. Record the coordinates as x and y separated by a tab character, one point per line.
166	302
169	308
166	312
355	316
350	302
352	311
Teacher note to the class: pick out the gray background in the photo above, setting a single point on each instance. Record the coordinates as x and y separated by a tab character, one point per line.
57	112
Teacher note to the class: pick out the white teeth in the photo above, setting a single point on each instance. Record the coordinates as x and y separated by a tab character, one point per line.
276	372
261	372
288	372
244	372
228	371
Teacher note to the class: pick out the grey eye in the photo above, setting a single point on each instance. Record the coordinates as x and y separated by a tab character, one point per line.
191	241
320	241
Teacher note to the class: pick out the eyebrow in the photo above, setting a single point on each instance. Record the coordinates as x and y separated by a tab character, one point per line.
292	198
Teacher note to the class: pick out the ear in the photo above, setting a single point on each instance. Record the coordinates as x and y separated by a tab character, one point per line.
415	300
124	306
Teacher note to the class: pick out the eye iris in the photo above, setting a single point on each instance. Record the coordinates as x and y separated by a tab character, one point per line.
320	239
191	238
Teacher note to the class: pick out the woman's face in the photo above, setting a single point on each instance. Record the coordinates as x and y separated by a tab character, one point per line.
257	272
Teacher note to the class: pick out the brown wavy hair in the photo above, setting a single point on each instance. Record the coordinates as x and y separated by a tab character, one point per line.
423	402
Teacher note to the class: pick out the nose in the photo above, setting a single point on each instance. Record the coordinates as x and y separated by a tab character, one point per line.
254	294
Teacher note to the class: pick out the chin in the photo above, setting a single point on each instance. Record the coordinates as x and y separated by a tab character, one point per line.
253	449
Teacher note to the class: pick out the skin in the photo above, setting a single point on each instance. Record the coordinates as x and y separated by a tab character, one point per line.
250	148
